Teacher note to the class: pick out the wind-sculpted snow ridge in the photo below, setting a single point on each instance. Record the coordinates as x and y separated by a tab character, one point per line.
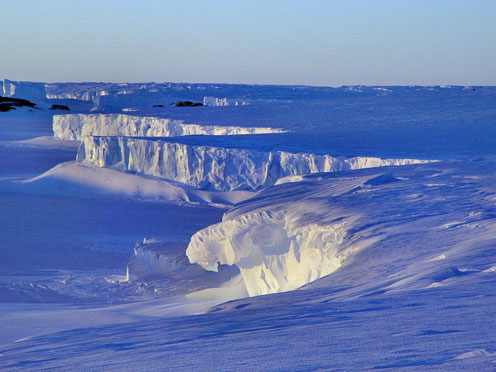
214	168
407	228
76	126
280	246
272	251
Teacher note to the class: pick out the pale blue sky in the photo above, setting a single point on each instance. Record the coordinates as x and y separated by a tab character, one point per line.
312	42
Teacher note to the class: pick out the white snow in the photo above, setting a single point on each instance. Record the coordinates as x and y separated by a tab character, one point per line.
377	269
273	253
274	247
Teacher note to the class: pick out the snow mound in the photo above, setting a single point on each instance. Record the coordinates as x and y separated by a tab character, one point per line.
48	142
76	179
76	126
214	168
378	228
280	241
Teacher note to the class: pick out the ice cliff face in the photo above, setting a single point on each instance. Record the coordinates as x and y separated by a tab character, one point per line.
34	92
76	126
214	168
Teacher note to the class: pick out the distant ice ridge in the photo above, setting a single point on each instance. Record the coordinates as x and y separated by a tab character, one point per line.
213	101
214	168
35	92
76	126
83	96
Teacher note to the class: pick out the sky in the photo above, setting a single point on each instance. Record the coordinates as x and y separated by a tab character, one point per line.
311	42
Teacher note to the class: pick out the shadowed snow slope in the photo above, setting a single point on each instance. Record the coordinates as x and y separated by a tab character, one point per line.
73	178
214	168
76	126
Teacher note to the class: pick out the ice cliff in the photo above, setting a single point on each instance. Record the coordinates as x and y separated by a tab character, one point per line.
214	168
76	126
34	92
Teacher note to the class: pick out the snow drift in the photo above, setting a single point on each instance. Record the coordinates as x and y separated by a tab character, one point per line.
73	178
371	221
281	242
76	126
214	168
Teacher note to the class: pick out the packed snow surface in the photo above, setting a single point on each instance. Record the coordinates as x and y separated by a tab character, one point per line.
413	247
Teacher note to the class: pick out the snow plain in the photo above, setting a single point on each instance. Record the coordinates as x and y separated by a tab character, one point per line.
123	261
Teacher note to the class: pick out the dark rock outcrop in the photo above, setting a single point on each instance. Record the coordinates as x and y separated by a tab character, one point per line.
59	107
186	104
9	103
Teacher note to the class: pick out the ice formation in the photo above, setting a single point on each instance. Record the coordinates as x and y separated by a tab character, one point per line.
287	236
34	92
76	126
272	250
161	259
214	168
213	101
